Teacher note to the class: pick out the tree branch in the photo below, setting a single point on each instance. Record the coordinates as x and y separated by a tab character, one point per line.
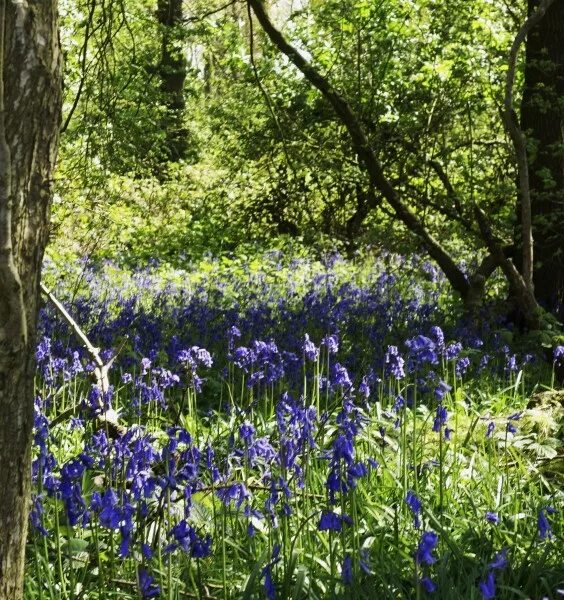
362	147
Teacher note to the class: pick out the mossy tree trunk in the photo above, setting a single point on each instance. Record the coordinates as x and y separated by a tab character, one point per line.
30	104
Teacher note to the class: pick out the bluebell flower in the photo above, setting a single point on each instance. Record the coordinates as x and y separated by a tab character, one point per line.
545	529
269	587
441	416
246	432
236	493
145	365
310	350
35	514
422	350
331	342
487	587
428	585
415	505
427	544
346	570
341	377
147	587
394	363
500	560
441	390
461	366
330	521
453	350
491	427
439	336
511	363
492	517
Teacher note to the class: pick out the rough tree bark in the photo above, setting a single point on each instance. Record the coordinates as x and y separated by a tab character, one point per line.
542	120
30	105
172	71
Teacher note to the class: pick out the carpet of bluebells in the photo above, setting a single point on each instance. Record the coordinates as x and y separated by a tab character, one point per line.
291	429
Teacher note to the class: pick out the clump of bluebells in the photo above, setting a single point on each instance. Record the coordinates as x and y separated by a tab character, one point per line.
315	461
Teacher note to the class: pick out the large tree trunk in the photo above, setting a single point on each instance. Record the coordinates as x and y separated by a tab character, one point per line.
30	104
542	120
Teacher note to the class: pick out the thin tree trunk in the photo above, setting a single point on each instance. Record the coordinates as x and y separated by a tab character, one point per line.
172	69
30	101
518	138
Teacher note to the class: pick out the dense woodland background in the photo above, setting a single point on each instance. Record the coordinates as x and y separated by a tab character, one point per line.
310	255
184	120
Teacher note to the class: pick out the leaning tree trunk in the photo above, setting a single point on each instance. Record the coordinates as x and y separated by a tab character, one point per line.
542	120
30	103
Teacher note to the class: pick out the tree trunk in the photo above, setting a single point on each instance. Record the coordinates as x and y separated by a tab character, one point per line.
172	69
30	104
542	120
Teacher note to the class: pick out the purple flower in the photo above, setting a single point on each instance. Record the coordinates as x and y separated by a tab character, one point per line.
247	431
269	587
236	493
442	389
462	365
439	336
415	505
332	343
500	560
394	363
545	530
146	585
422	350
492	517
428	585
427	544
511	363
441	417
491	427
557	354
330	521
311	352
341	377
453	350
346	570
487	588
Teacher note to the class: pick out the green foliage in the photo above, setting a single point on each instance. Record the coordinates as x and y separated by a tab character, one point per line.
267	147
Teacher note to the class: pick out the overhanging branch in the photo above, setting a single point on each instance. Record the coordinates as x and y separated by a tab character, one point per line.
362	148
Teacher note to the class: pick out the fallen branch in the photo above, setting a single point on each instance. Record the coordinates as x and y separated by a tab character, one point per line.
107	417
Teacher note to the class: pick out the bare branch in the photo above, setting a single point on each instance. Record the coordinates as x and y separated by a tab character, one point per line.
101	370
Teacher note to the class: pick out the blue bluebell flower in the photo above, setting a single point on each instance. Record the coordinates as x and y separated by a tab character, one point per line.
414	504
427	544
544	527
487	587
